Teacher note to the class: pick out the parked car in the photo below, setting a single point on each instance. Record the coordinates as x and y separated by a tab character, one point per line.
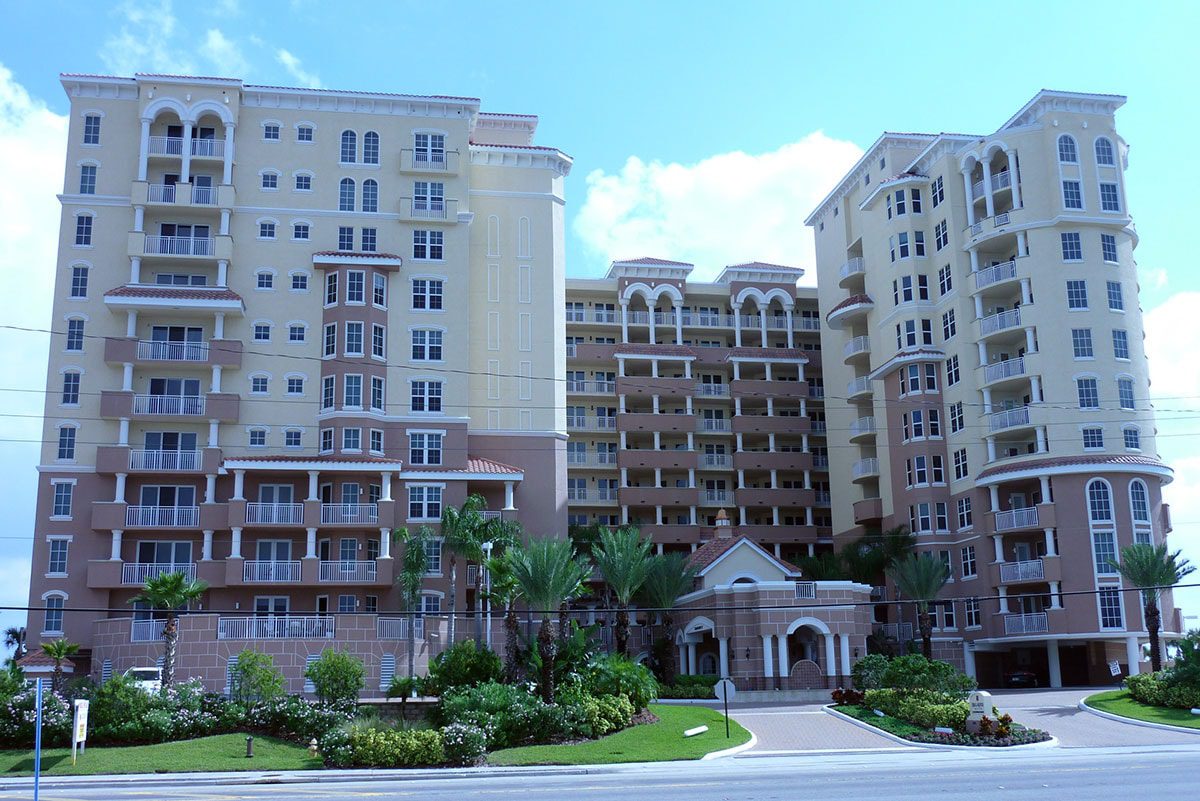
148	679
1021	678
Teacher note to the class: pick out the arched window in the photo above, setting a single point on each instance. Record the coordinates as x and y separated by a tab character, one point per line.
1105	155
346	195
67	434
1099	502
370	148
349	147
370	195
1139	501
1067	152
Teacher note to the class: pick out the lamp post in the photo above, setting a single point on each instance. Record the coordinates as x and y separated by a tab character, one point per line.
487	556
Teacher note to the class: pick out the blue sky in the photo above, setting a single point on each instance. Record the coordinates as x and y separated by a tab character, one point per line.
669	110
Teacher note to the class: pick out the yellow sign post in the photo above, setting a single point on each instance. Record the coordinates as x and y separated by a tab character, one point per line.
79	729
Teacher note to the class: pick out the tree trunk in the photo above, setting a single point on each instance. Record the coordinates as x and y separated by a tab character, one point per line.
412	645
56	685
925	624
547	649
564	622
1153	621
668	665
479	605
512	630
622	631
453	591
170	640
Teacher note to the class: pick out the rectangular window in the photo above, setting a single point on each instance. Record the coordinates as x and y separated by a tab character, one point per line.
304	133
329	341
303	183
1125	393
66	443
352	439
941	236
945	280
79	282
425	503
1072	196
1077	294
914	195
270	180
299	282
937	191
428	245
1109	199
262	332
425	448
1108	247
426	396
271	132
345	237
1116	300
1081	341
58	557
331	289
1104	545
291	438
354	339
1110	609
326	440
968	561
426	345
296	333
54	614
379	290
949	329
956	417
63	493
918	243
1089	397
965	516
300	232
70	389
378	341
83	231
1072	246
1093	438
960	464
352	392
369	239
91	129
952	371
75	335
971	610
87	179
1133	439
355	286
295	385
377	401
328	383
427	294
902	239
941	522
376	440
266	230
1120	343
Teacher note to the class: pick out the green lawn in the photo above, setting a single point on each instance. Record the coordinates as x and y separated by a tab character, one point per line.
654	742
1120	702
222	752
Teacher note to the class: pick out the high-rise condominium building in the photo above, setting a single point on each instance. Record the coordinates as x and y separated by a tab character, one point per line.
984	345
286	322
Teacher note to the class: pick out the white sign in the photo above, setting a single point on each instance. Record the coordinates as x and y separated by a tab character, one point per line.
724	690
980	704
1114	667
695	731
79	728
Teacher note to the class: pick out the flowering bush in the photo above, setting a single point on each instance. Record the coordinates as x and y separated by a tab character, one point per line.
463	745
18	717
843	696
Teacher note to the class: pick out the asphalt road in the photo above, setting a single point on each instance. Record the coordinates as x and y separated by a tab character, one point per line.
1095	774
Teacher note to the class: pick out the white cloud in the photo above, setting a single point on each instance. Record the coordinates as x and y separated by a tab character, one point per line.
1154	278
224	54
228	8
729	208
296	69
145	42
32	151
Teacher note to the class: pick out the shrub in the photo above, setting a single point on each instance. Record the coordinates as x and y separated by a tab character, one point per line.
886	701
115	706
915	672
1148	688
335	748
510	715
255	678
616	713
396	748
463	665
697	681
868	672
618	675
844	696
295	718
463	745
18	715
337	677
686	691
1186	670
402	686
921	712
1183	697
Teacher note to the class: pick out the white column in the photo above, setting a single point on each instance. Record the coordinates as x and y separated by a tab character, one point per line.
1022	244
737	324
651	323
768	657
213	428
723	659
139	219
206	547
1056	595
135	269
844	642
1039	435
311	552
966	174
116	545
1012	175
785	664
131	323
235	547
968	659
127	377
682	659
987	189
994	493
123	431
1044	481
830	663
624	323
222	273
762	328
143	150
239	485
1026	291
210	488
119	490
185	170
1052	663
991	448
975	268
223	228
216	378
791	336
385	486
998	544
678	323
1050	549
385	544
691	654
227	176
1002	595
1035	389
1030	341
1133	655
312	486
219	325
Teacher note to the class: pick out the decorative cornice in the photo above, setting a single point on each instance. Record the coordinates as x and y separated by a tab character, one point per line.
536	158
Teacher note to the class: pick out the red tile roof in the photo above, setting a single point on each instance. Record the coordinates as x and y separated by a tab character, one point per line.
37	659
766	353
355	254
173	292
650	260
853	300
334	458
714	549
505	114
761	265
646	349
1066	461
475	464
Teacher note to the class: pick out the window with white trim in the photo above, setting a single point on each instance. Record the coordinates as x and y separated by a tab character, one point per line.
271	132
1108	247
1099	502
1110	608
297	332
941	236
301	231
70	388
328	388
75	334
1110	198
1077	294
349	148
969	568
1125	393
918	243
79	281
354	339
1093	438
295	385
966	517
91	129
425	448
1081	343
66	443
957	422
370	148
1116	299
1072	246
352	439
64	492
945	280
53	622
426	345
346	194
264	280
259	384
949	328
303	183
356	286
262	332
961	469
331	289
370	195
1139	501
57	561
352	391
1133	438
345	237
426	396
425	503
1105	155
304	133
1087	392
270	181
1067	152
369	239
377	389
379	290
427	294
1120	340
376	440
326	443
87	179
1072	195
378	341
937	191
329	340
83	231
952	371
428	245
258	438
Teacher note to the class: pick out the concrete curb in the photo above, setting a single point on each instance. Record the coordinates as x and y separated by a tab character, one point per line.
1133	721
737	749
1051	743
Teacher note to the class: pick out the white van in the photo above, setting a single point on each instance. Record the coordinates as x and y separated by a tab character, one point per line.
148	679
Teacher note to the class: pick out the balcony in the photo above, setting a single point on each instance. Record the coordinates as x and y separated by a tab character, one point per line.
1000	322
865	469
162	516
645	386
715	497
223	352
859	388
348	572
868	510
169	405
349	514
715	461
165	146
1018	572
657	496
713	425
440	162
272	514
276	627
853	269
271	572
396	628
712	390
856	347
996	274
901	632
750	423
199	246
163	461
774	496
862	428
146	630
1002	371
661	459
604	316
773	460
1031	623
429	210
1001	180
1009	418
136	573
1017	519
855	307
592	387
592	423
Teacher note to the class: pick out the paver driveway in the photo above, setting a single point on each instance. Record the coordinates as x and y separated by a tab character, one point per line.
1057	712
805	727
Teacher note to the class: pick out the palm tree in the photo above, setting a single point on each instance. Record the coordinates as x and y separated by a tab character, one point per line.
460	534
412	577
170	592
59	650
503	591
920	579
494	532
1152	569
623	558
826	566
14	637
670	576
549	574
869	557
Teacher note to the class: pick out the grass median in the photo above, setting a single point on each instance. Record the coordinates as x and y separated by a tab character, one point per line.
650	742
1120	702
219	753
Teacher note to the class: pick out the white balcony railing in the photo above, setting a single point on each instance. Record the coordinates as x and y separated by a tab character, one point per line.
160	193
426	160
856	346
806	590
570	350
1008	418
168	404
1001	321
1029	570
396	628
172	351
1000	219
146	630
208	147
1031	623
347	571
863	425
166	146
858	386
1014	519
204	196
1001	180
1008	368
179	245
592	387
164	460
712	496
270	571
865	467
284	513
577	493
162	516
604	316
716	460
1005	271
332	513
713	390
429	209
901	632
715	424
276	627
854	266
138	572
